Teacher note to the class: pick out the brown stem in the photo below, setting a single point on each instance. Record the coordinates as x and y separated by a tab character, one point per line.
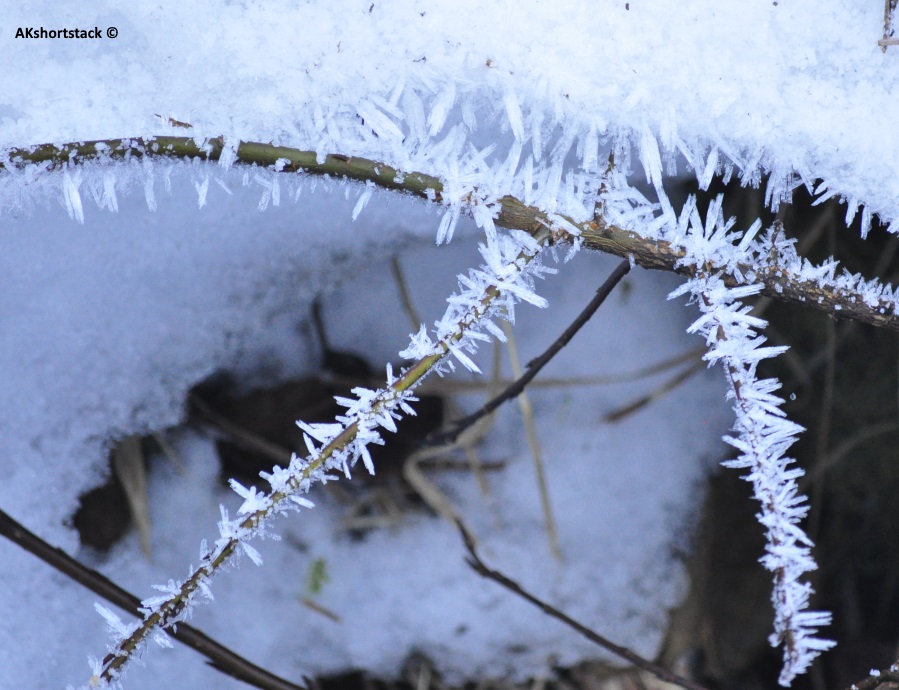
513	213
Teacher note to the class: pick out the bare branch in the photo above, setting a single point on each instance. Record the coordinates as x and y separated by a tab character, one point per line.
535	365
481	569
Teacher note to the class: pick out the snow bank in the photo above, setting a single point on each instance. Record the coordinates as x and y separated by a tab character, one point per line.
777	87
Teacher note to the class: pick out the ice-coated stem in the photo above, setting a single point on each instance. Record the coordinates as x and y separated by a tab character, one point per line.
763	434
288	485
845	296
763	437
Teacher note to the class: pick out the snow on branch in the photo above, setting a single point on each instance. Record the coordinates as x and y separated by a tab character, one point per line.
763	434
511	263
624	229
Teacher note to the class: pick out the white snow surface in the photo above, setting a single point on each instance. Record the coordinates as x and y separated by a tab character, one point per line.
788	86
109	323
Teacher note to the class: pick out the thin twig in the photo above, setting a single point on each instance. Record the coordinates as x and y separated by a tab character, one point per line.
620	413
237	434
448	385
481	569
403	289
448	465
535	365
220	657
837	455
313	605
527	415
825	417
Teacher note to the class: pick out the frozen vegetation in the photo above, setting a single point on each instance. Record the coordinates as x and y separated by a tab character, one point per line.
127	278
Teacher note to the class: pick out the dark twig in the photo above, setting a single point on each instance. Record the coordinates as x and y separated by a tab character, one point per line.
667	387
481	569
220	657
535	365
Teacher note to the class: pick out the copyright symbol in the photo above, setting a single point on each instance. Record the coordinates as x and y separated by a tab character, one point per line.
112	32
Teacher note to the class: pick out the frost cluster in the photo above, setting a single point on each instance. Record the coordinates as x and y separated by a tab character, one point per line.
762	432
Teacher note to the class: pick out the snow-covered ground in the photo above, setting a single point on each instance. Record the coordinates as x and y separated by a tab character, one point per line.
142	306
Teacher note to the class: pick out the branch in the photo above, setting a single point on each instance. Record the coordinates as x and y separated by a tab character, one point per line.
481	569
763	433
848	299
888	677
220	657
535	365
764	436
487	294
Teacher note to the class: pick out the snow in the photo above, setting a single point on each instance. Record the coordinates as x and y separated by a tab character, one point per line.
124	283
565	80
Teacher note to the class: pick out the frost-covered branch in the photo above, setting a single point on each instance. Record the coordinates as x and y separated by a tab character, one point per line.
219	656
763	434
887	678
512	261
781	274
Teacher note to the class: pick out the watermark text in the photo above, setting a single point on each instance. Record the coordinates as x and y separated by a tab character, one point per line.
41	32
